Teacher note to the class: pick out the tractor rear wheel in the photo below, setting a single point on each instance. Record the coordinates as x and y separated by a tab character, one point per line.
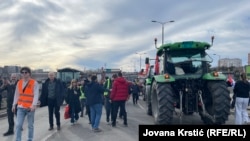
218	104
162	101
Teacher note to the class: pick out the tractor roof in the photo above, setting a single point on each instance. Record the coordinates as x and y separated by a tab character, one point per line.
185	45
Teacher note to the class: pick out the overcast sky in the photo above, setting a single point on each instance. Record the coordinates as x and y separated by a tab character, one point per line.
90	34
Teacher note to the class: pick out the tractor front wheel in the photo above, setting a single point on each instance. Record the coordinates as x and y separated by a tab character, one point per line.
148	100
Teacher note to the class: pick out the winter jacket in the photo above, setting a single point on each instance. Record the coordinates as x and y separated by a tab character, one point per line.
134	89
94	93
242	89
72	98
120	89
10	88
59	90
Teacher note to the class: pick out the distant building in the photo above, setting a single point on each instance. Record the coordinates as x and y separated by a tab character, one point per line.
230	62
248	62
38	74
7	70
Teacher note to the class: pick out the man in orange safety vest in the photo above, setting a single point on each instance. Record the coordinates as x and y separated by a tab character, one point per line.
26	98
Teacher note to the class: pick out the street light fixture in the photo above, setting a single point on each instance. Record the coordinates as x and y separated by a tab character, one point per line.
140	58
162	24
218	61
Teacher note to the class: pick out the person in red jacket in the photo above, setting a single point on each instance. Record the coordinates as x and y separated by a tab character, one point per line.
119	96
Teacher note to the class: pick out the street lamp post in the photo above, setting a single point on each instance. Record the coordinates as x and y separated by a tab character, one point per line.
218	61
140	58
162	24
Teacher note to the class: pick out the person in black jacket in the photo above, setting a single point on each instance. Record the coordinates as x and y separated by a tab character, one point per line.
73	99
10	87
135	90
241	91
52	95
86	82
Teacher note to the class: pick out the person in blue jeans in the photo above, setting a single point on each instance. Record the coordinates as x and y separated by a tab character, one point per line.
21	114
26	98
72	98
94	94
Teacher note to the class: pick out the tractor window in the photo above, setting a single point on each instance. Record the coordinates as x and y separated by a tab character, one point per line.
185	62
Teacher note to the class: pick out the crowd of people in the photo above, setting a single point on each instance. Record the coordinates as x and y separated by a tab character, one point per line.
85	96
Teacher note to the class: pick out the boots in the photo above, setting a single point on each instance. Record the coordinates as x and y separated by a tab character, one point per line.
9	132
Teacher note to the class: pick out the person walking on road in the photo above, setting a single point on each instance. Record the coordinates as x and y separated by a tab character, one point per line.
107	103
94	93
10	88
241	91
135	90
114	76
86	82
52	95
73	99
82	97
119	96
26	98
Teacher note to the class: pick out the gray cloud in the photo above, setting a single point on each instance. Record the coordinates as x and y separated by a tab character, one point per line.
91	33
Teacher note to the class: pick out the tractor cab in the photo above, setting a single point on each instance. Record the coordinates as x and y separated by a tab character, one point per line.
186	62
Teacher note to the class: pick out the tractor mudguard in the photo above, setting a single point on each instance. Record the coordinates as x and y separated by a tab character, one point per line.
162	79
210	76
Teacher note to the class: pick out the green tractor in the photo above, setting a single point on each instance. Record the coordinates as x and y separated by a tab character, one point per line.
181	80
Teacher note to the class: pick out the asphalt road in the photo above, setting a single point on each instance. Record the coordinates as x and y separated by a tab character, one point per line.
82	130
